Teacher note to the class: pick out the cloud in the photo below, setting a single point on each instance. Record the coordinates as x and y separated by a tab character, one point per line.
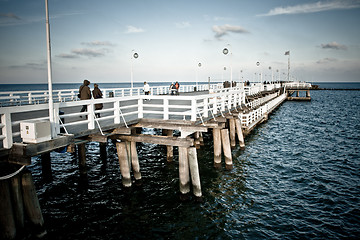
98	43
183	25
9	15
90	52
32	66
326	60
67	55
319	6
333	45
220	31
132	29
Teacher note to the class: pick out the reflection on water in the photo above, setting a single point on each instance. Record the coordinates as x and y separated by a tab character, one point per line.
297	178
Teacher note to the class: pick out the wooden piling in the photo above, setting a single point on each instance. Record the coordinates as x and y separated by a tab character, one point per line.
124	163
232	132
7	221
197	140
31	204
184	170
201	139
103	152
135	161
240	134
225	141
46	166
82	159
17	197
217	147
169	149
194	171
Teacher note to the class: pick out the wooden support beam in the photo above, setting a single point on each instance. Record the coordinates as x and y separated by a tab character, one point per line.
124	163
162	140
232	132
184	170
172	126
225	141
194	172
240	134
31	204
18	206
134	160
122	130
169	149
7	221
82	159
217	147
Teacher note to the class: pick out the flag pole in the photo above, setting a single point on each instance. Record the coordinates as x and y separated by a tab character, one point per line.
51	103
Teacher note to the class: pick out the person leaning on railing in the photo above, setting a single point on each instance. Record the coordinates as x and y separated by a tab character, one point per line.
84	94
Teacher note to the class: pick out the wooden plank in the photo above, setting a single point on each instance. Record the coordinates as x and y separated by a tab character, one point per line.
122	130
172	126
162	140
33	149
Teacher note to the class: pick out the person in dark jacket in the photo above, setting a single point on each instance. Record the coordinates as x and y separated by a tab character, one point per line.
97	94
84	92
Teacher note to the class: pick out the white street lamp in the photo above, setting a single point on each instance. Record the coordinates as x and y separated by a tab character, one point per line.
197	72
134	55
225	52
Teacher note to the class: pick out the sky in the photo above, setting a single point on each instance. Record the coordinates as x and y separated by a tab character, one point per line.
97	39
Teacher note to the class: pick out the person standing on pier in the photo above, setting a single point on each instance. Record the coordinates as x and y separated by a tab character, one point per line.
97	94
146	89
177	85
84	92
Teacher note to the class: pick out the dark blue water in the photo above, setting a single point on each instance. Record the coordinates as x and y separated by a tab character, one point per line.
298	178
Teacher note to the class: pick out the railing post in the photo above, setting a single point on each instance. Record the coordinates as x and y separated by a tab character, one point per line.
6	120
140	108
116	112
56	127
193	110
206	107
91	113
29	97
166	109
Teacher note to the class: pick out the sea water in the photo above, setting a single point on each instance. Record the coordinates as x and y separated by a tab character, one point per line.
298	178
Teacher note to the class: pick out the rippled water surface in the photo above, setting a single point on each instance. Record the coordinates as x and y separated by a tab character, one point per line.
298	178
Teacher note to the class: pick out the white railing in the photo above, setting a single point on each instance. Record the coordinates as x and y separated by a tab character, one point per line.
18	98
297	85
120	110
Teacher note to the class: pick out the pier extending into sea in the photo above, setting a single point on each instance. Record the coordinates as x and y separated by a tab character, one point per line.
229	113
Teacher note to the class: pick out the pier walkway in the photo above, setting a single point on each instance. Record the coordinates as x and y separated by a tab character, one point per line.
27	131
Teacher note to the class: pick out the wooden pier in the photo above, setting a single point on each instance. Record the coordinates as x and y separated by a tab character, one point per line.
228	113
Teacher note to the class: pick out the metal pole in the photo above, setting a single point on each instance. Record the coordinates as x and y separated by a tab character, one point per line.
51	103
132	59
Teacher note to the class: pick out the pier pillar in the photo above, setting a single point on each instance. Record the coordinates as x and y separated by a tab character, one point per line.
201	139
297	93
18	206
103	152
7	221
184	171
217	147
197	140
308	93
232	132
135	161
169	149
240	134
194	172
124	163
46	166
32	205
82	159
226	148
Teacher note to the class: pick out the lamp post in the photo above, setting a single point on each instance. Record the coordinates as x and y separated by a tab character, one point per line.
272	76
134	55
197	72
51	103
225	52
260	75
